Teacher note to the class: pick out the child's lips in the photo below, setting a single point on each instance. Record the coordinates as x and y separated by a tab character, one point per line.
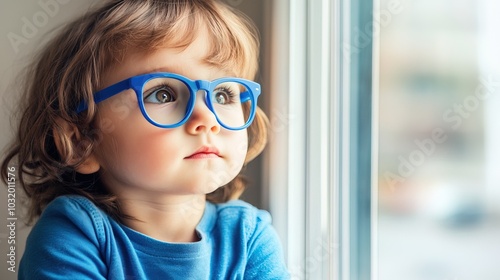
204	152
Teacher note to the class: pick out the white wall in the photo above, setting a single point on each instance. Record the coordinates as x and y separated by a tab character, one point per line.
23	27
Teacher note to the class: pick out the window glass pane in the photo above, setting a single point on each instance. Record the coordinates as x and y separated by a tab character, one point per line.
439	155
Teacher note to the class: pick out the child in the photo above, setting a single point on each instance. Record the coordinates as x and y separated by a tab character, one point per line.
138	118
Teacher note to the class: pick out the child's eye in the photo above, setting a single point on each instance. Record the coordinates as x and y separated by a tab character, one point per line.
162	94
224	96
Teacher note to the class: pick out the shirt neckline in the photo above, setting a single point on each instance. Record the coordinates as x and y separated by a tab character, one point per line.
158	248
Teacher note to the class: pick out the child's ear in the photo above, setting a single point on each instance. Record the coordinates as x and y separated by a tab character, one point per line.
67	139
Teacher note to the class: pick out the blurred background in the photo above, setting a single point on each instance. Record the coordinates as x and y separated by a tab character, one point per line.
439	137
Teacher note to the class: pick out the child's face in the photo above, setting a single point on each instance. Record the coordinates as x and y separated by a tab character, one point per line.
135	155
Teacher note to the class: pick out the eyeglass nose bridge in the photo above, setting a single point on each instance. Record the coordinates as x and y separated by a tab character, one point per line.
202	85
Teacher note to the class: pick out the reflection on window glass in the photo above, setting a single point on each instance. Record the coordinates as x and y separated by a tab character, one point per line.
439	153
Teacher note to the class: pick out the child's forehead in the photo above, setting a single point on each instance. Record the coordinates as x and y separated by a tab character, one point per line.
195	35
190	61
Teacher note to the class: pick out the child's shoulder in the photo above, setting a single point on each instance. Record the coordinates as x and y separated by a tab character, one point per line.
67	236
238	212
241	208
70	203
72	211
71	218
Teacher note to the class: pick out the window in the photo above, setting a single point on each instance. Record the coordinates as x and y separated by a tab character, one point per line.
384	160
438	156
320	109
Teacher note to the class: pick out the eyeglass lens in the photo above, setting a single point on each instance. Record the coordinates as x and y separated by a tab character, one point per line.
166	101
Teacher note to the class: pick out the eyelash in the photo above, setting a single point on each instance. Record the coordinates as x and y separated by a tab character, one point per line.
227	90
152	90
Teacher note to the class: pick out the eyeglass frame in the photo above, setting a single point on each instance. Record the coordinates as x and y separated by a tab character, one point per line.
137	84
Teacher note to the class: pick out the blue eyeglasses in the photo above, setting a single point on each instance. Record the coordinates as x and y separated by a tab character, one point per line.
167	100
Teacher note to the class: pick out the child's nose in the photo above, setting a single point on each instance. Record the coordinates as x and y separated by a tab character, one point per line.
202	119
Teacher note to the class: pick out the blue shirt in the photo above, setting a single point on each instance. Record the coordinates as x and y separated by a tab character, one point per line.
74	239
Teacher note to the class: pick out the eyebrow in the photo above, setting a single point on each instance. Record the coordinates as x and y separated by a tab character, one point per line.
173	70
161	69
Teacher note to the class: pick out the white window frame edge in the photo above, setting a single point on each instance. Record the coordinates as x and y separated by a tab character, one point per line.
309	150
375	142
301	183
342	121
320	243
286	178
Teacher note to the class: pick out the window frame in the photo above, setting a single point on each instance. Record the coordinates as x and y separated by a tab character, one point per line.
318	184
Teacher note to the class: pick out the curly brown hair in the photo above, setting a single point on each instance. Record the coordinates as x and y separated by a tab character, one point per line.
69	69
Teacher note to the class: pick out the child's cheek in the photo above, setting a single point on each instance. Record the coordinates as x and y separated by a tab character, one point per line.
141	158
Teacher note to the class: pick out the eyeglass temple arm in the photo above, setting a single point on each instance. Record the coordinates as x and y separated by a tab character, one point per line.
105	94
245	96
